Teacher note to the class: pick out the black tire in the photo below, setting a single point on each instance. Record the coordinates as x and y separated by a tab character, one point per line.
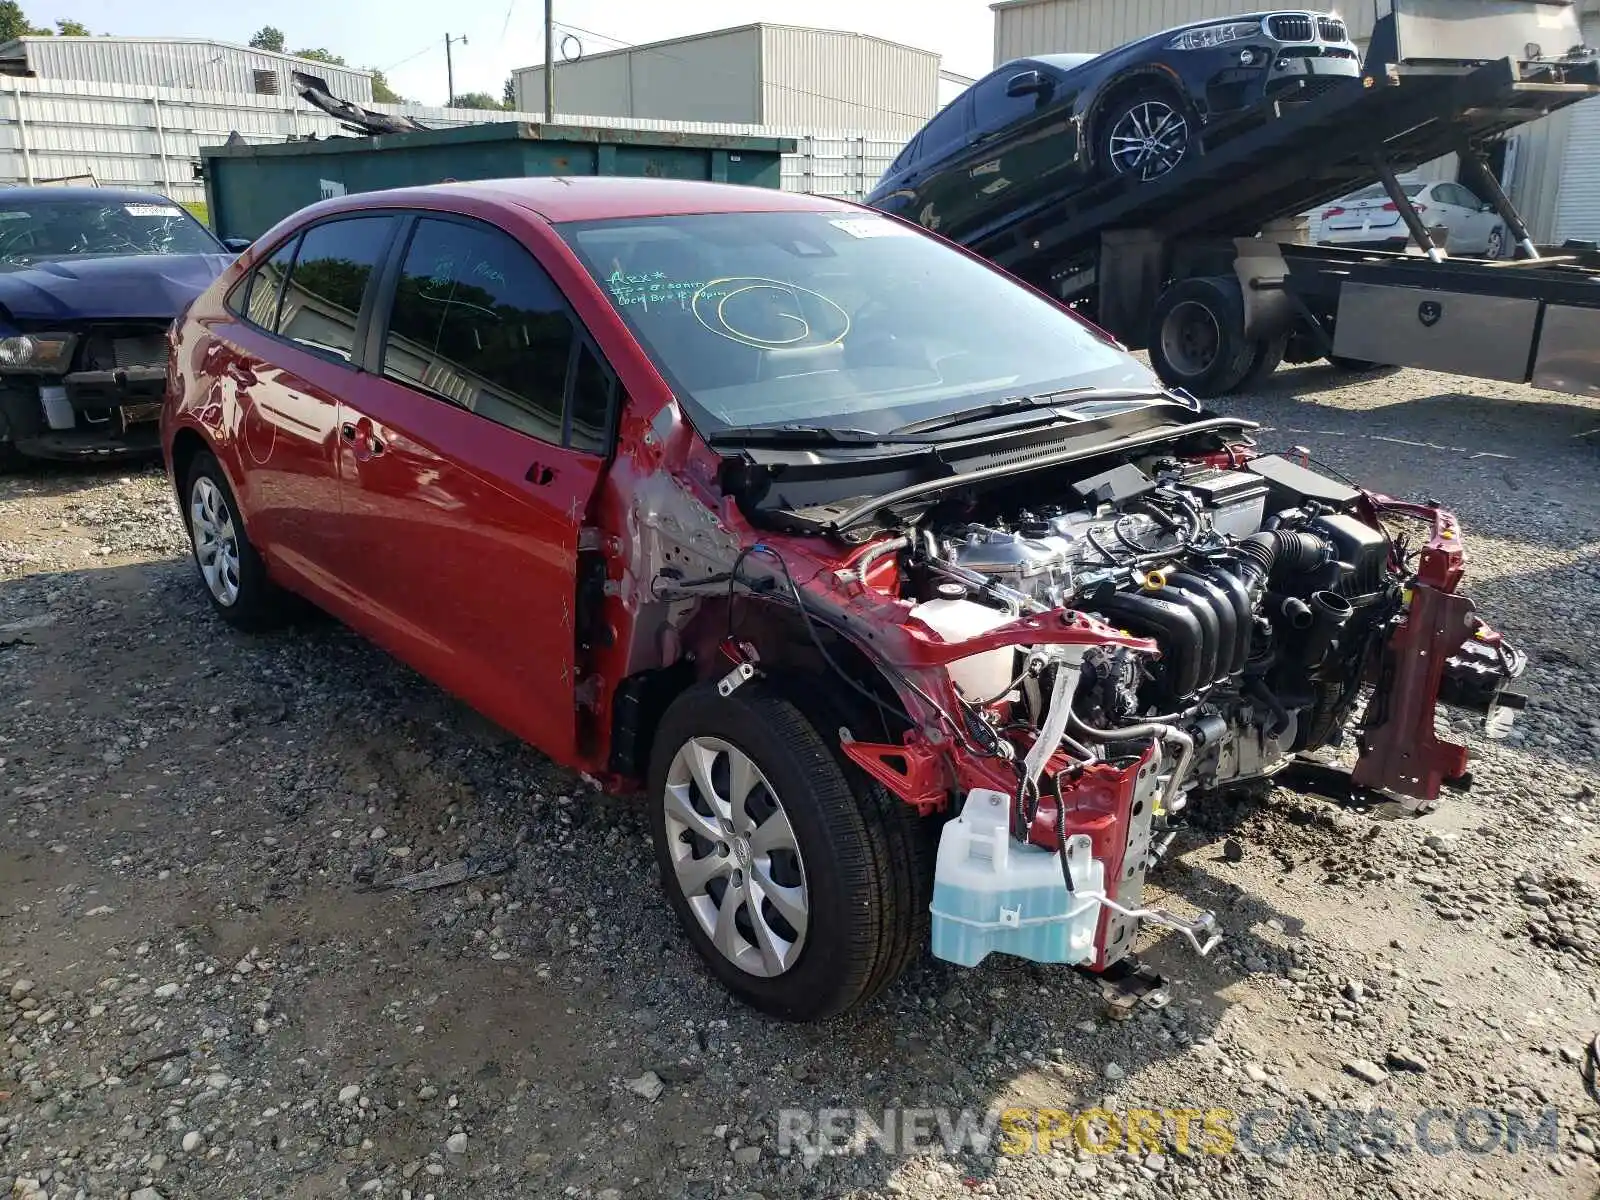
1170	152
258	604
1197	339
11	459
867	868
1268	357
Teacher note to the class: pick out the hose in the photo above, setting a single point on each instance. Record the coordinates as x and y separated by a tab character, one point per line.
865	563
1133	733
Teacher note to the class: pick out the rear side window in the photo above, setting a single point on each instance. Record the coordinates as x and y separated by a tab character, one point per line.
322	298
478	322
255	298
949	127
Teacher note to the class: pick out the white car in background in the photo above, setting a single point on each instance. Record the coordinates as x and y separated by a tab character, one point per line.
1370	218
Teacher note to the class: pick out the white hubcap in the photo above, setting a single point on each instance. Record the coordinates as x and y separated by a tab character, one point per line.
735	857
216	545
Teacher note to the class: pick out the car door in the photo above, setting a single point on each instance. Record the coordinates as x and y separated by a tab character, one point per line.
1015	150
1477	224
287	360
469	452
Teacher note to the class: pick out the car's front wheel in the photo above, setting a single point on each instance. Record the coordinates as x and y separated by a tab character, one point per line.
235	578
1145	136
1497	243
805	892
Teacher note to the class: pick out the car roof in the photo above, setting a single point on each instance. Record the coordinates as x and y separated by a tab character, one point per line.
110	195
590	198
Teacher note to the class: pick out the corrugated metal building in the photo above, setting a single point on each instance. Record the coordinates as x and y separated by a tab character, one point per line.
777	75
1553	165
174	63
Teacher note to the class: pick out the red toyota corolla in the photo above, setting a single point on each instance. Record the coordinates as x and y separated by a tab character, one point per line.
895	586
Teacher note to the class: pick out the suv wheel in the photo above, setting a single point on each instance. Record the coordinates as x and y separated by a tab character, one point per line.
803	891
1146	135
235	578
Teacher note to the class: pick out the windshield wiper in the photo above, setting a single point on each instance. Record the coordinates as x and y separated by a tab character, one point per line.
794	435
1050	402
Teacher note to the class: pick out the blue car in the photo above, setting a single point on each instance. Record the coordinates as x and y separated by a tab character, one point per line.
1038	130
90	281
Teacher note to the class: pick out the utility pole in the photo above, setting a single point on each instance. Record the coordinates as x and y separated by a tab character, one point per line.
549	61
449	67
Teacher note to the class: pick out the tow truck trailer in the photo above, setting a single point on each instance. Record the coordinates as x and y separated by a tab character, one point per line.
1205	267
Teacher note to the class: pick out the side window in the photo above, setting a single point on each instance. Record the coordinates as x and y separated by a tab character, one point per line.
594	392
257	296
949	127
478	322
906	157
322	299
995	109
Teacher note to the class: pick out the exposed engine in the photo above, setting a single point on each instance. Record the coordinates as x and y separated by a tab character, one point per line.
1264	611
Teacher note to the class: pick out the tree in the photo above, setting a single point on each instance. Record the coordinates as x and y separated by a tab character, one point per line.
72	29
381	91
268	37
508	94
475	100
321	55
14	24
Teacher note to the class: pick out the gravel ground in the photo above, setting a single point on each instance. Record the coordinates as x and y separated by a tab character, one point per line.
206	991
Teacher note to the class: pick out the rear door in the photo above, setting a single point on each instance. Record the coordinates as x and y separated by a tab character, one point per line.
288	360
468	455
1469	225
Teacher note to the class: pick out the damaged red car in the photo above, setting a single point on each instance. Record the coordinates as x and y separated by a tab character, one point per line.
919	611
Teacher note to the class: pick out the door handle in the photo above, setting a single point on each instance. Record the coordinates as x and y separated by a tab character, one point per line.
540	475
361	437
240	375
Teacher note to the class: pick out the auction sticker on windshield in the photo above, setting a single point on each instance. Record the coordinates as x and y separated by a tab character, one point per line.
152	210
871	227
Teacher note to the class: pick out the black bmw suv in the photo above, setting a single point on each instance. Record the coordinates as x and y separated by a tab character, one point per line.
1037	128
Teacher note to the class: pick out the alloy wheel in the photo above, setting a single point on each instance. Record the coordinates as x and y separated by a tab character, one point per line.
735	856
216	543
1149	140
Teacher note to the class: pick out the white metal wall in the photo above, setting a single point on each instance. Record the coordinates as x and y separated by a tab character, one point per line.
142	137
178	63
819	79
1571	187
713	77
767	74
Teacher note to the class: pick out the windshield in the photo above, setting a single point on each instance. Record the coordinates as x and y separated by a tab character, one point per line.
834	319
42	226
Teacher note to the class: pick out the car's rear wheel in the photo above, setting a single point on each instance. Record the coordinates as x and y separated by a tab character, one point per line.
1497	243
1197	339
1145	135
235	578
802	889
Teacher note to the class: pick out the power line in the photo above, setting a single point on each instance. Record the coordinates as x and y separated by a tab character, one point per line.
410	57
705	70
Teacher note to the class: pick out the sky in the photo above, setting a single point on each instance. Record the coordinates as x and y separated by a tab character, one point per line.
405	38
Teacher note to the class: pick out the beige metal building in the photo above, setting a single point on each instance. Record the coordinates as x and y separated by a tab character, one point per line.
777	75
1552	167
190	63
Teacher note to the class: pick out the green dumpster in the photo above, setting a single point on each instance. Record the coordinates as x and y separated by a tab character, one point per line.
250	188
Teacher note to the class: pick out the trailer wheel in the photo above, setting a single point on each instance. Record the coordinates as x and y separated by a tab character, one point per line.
1265	362
1197	339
